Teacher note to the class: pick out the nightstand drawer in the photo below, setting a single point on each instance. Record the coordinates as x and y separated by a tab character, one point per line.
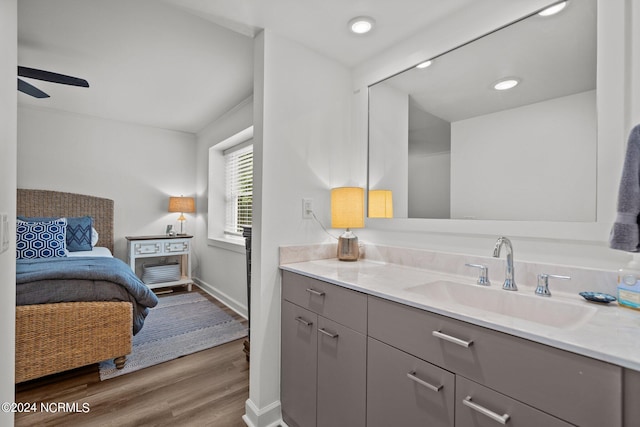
344	306
579	389
176	247
147	248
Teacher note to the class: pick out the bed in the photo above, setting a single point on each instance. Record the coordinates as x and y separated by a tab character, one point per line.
53	337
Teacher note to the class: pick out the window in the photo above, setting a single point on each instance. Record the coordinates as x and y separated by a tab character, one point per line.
238	162
230	191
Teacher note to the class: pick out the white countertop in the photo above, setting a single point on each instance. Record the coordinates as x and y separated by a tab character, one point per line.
610	334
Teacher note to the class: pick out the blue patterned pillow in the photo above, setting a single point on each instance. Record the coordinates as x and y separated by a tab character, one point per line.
79	233
41	239
78	236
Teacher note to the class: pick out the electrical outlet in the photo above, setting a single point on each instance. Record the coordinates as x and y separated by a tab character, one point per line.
307	208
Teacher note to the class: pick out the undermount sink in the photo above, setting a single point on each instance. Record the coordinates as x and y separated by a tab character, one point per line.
545	311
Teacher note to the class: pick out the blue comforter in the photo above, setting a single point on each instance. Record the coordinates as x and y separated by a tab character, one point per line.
52	280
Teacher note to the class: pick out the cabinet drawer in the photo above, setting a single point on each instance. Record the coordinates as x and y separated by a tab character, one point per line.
179	246
147	248
342	375
397	394
575	388
478	406
299	349
342	305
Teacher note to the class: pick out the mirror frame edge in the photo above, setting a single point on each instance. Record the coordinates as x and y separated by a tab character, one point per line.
612	126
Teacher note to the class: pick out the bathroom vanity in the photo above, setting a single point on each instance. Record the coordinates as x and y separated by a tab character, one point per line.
363	344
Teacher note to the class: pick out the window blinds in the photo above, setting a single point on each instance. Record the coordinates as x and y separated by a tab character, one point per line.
239	187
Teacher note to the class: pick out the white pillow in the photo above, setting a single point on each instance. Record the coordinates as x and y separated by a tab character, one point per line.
94	236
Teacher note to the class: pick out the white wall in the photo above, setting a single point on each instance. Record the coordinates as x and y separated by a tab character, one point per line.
427	133
8	100
429	185
302	148
429	165
389	133
527	163
221	267
572	243
138	167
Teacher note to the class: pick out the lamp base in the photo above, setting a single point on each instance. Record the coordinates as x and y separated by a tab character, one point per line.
348	249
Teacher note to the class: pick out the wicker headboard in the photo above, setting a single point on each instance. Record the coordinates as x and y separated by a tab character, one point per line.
46	203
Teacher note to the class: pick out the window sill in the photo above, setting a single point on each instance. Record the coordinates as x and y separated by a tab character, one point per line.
234	244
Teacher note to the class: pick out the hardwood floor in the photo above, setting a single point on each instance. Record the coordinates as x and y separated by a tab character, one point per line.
208	388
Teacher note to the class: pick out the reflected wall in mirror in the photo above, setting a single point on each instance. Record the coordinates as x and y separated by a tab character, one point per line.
449	145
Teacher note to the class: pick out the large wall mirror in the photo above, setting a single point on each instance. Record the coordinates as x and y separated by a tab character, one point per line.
450	145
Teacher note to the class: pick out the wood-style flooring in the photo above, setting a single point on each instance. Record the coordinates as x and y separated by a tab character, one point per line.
208	388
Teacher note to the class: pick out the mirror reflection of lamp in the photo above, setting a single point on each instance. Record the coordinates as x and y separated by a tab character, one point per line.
380	204
347	211
183	205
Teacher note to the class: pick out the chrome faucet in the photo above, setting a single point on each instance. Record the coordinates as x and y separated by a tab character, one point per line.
543	283
509	280
483	278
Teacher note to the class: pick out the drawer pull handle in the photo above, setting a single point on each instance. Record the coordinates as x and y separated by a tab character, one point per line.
304	322
327	333
314	292
502	419
454	340
412	376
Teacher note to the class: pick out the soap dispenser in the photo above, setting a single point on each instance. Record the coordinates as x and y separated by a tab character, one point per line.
629	283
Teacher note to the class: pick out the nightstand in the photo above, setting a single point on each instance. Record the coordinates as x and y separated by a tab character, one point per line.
161	249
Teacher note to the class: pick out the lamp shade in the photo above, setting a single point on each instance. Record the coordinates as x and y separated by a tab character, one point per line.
182	204
380	204
347	207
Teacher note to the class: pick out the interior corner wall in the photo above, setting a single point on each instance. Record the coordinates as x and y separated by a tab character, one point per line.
8	113
389	133
429	165
221	271
302	148
138	167
430	185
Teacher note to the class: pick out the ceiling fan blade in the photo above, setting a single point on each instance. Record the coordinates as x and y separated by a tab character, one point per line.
48	76
29	89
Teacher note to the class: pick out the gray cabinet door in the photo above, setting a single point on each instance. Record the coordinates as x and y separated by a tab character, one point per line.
298	365
404	391
342	357
478	406
631	394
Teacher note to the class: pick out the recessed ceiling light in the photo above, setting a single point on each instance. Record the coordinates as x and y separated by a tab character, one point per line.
552	10
361	24
506	84
424	64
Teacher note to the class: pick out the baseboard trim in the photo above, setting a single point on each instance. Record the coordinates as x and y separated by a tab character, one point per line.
233	304
270	416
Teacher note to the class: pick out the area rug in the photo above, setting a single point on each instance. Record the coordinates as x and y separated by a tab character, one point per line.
180	324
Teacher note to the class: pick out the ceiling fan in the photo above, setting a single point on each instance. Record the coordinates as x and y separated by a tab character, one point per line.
47	76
